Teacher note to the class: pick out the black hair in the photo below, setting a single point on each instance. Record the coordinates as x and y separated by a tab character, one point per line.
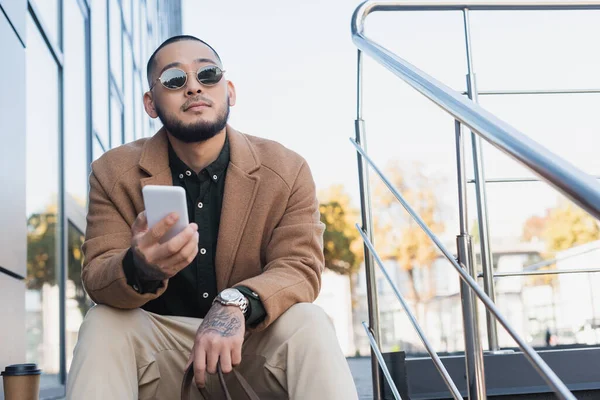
173	39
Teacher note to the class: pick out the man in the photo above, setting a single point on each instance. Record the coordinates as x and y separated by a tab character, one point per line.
234	288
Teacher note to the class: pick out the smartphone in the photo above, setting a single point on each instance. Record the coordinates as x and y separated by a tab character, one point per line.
161	201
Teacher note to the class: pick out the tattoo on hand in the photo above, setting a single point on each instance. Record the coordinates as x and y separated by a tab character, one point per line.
222	321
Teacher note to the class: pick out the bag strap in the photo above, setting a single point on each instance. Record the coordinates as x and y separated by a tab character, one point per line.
187	384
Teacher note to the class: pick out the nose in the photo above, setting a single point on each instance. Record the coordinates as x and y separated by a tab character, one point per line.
193	87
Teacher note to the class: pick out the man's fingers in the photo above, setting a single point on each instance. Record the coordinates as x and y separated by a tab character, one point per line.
159	230
175	245
200	367
141	223
212	358
225	361
185	256
236	356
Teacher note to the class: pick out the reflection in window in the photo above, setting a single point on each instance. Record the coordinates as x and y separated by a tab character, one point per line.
116	123
42	177
97	149
128	91
100	71
75	100
115	42
78	302
48	10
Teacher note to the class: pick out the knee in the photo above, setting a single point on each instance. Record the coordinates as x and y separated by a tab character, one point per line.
307	315
107	323
306	322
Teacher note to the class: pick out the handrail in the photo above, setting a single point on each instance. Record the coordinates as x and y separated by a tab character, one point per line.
413	320
384	368
532	356
575	184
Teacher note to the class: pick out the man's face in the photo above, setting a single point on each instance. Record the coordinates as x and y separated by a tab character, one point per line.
195	112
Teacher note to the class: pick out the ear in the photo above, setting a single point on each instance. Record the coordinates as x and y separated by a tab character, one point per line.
231	93
149	105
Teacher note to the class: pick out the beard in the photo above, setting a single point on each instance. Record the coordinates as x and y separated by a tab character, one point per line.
195	132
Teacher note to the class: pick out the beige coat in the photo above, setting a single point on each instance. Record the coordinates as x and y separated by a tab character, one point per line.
270	236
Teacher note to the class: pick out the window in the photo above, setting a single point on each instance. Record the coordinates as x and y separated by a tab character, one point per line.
128	91
116	124
75	104
100	72
49	13
116	49
78	302
136	33
138	106
43	235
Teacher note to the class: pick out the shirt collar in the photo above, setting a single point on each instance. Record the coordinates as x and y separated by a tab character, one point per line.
216	168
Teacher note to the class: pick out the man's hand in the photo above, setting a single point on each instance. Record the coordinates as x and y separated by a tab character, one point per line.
219	339
155	261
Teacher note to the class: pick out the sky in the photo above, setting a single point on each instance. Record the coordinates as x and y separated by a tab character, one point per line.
294	67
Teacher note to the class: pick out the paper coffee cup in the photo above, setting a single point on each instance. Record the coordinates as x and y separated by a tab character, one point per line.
21	382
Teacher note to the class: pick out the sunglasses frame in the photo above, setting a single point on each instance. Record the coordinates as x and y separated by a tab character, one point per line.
196	73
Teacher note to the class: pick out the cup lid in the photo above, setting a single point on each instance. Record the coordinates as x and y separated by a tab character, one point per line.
21	369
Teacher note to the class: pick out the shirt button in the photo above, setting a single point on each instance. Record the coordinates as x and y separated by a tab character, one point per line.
180	176
188	173
136	288
215	177
200	205
205	295
202	251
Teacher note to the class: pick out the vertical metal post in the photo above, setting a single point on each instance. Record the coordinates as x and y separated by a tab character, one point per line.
367	227
473	352
482	211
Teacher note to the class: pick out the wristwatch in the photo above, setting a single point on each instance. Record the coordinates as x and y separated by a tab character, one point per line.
233	297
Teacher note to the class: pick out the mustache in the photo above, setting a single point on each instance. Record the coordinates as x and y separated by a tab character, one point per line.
196	99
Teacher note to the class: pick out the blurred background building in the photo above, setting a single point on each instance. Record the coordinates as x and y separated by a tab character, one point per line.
73	74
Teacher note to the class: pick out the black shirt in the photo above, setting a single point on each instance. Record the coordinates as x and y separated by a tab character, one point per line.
191	292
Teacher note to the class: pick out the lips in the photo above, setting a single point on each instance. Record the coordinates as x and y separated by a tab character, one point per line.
198	104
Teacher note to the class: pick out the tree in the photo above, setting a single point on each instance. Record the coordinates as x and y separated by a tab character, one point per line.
42	255
397	235
340	238
567	226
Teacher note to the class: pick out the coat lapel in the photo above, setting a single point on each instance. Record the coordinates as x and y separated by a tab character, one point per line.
155	161
241	188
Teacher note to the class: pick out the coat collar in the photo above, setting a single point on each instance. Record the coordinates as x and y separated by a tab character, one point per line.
155	153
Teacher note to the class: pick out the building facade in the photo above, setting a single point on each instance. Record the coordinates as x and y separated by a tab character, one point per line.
74	73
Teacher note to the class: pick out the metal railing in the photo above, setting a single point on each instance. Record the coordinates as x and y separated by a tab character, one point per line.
578	186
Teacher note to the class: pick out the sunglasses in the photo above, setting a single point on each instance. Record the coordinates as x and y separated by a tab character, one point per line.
175	78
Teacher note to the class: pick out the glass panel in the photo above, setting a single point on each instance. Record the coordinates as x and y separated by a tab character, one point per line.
143	39
136	32
78	302
127	14
97	149
75	100
115	42
42	177
138	107
49	13
116	124
100	71
128	91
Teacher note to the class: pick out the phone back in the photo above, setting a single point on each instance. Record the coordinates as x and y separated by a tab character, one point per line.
160	201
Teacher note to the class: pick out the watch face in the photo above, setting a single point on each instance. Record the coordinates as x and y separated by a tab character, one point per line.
230	294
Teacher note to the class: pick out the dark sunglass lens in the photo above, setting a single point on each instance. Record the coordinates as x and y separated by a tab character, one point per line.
173	78
210	75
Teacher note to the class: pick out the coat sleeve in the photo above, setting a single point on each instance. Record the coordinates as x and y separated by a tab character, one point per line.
107	240
294	255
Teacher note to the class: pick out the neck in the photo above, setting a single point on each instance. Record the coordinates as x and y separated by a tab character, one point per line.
199	155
